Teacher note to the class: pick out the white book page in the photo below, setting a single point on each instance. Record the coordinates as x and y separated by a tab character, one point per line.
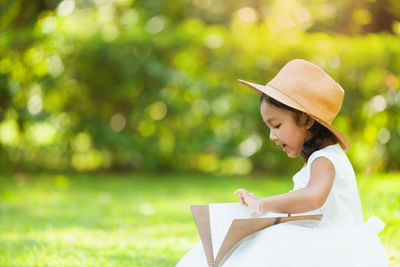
221	217
311	212
273	215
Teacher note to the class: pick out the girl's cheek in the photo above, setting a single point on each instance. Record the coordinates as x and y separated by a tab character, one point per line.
281	136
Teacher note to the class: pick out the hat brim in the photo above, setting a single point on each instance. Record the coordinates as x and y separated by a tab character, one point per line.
287	100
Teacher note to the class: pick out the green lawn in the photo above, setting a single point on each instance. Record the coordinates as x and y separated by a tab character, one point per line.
139	220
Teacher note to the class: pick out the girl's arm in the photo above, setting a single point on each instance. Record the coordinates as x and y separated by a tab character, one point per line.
311	197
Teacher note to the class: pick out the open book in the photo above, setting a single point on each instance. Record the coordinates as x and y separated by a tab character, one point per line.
222	225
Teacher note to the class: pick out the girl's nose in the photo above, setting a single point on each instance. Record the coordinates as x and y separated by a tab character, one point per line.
272	136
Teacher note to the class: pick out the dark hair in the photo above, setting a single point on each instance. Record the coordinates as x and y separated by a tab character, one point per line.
319	133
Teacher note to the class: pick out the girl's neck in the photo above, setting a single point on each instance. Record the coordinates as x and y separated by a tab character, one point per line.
327	142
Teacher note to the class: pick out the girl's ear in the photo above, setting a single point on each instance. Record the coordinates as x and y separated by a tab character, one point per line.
309	122
306	121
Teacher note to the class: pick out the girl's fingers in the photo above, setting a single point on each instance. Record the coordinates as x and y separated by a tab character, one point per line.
238	191
241	198
241	191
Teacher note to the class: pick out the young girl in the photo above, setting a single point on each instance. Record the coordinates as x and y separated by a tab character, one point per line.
298	105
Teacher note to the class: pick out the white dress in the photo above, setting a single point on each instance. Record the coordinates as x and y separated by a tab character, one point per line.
340	239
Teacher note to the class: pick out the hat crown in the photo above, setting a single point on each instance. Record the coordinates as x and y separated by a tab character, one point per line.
313	89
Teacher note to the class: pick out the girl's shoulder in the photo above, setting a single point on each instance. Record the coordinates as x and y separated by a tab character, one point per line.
331	152
339	159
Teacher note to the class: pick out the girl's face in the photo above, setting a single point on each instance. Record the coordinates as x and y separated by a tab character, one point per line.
283	129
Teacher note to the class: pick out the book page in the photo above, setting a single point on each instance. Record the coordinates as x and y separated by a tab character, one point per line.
311	212
221	217
273	215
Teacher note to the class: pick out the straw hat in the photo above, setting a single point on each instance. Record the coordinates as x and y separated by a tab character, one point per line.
304	86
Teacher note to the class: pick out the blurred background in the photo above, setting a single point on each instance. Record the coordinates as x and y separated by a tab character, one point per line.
124	85
117	115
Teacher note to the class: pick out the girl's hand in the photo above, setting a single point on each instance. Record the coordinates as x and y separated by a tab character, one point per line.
247	199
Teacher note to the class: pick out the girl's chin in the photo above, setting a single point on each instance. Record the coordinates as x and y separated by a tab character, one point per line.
292	155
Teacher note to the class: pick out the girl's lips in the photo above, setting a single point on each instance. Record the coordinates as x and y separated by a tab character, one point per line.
284	148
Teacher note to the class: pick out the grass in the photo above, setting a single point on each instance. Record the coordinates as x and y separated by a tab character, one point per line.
139	220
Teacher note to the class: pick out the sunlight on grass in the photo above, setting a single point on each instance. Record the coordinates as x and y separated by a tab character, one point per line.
117	220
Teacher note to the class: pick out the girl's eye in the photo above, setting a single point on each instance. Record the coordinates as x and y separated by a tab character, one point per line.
277	126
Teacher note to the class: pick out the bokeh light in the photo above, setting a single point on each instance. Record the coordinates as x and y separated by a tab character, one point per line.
118	122
35	104
155	24
251	145
213	41
66	7
247	14
157	110
49	24
378	103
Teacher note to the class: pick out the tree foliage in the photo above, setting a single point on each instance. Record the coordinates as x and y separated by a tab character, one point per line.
151	85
